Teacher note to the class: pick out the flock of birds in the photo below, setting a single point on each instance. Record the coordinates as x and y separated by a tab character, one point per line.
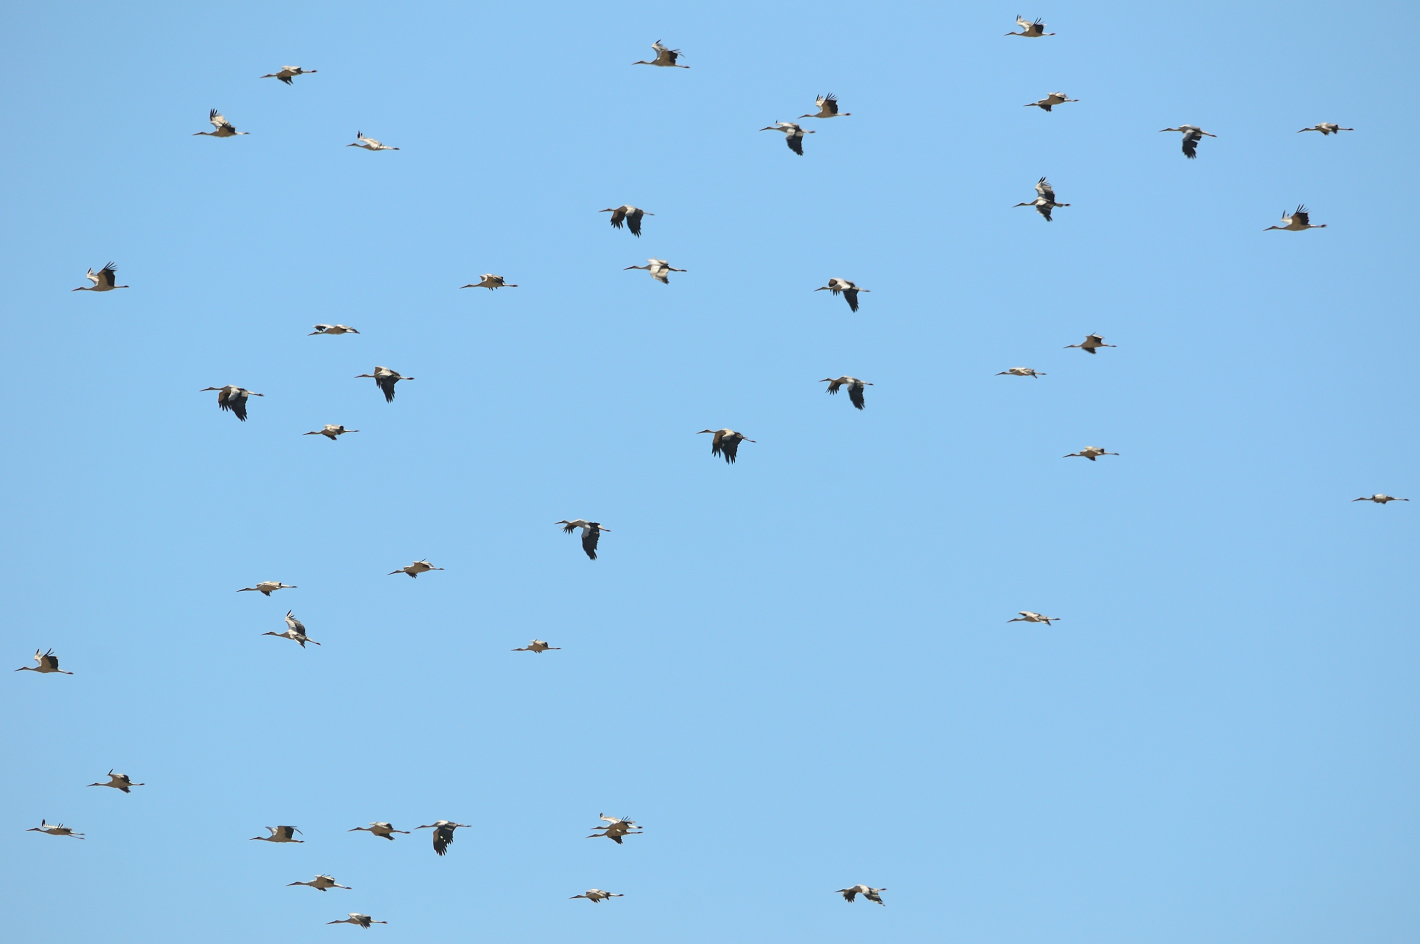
725	443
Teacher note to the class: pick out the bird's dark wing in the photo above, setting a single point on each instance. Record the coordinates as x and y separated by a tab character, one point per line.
443	836
589	541
830	104
731	448
617	216
238	404
633	223
612	836
285	78
855	394
1044	210
795	142
852	296
850	894
1302	216
107	274
1190	144
387	385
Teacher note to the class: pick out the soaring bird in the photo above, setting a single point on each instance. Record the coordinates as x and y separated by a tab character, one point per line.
223	126
660	270
1050	101
595	895
280	834
234	398
1091	343
295	631
1300	220
383	830
330	432
1326	127
118	782
333	329
1045	199
414	570
490	281
664	57
629	215
827	106
726	441
1191	136
1090	452
356	917
855	387
615	828
385	379
853	891
443	834
847	289
1020	372
369	144
793	135
320	883
1030	30
1028	617
591	533
48	664
103	280
54	829
537	645
287	73
267	587
1380	498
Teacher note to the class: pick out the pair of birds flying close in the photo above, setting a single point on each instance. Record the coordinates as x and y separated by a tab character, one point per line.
615	829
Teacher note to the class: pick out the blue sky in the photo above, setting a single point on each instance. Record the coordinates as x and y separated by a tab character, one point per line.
795	672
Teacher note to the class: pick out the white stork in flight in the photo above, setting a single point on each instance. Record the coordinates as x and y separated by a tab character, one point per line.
726	442
1327	127
333	330
279	834
1090	452
383	830
1044	201
827	106
103	280
793	135
1020	372
443	833
855	388
537	645
1091	343
54	829
118	782
223	126
414	570
320	883
1192	134
1030	30
595	895
268	587
1028	617
369	144
660	270
847	289
385	379
490	281
591	533
295	631
363	920
867	892
628	214
1301	219
234	398
48	664
330	432
666	58
1050	101
1380	498
287	73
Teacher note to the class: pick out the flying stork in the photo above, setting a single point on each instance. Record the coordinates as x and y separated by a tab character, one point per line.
267	587
223	126
490	281
280	834
1091	343
1380	498
726	441
118	782
295	631
855	388
660	270
1327	127
591	533
383	830
615	828
1300	220
1192	134
867	892
414	570
664	57
1030	30
537	645
793	135
385	379
595	895
320	883
369	144
1050	101
356	917
54	829
330	432
287	73
103	280
1045	199
1090	452
234	398
1020	372
847	289
1028	617
827	106
629	215
48	664
443	833
333	329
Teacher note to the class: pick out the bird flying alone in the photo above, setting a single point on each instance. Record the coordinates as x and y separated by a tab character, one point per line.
223	127
383	830
1380	498
591	533
853	891
660	270
1030	30
629	215
54	829
443	833
287	73
793	135
489	281
48	663
295	631
234	398
103	280
595	895
1091	343
369	144
855	388
537	645
330	432
118	782
332	330
847	289
268	587
1050	101
1020	372
280	834
1191	136
665	58
827	106
726	442
1326	127
1028	617
414	570
1090	452
320	883
1044	201
1301	219
363	920
385	379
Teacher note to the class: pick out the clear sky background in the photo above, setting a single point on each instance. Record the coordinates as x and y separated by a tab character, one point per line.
796	672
